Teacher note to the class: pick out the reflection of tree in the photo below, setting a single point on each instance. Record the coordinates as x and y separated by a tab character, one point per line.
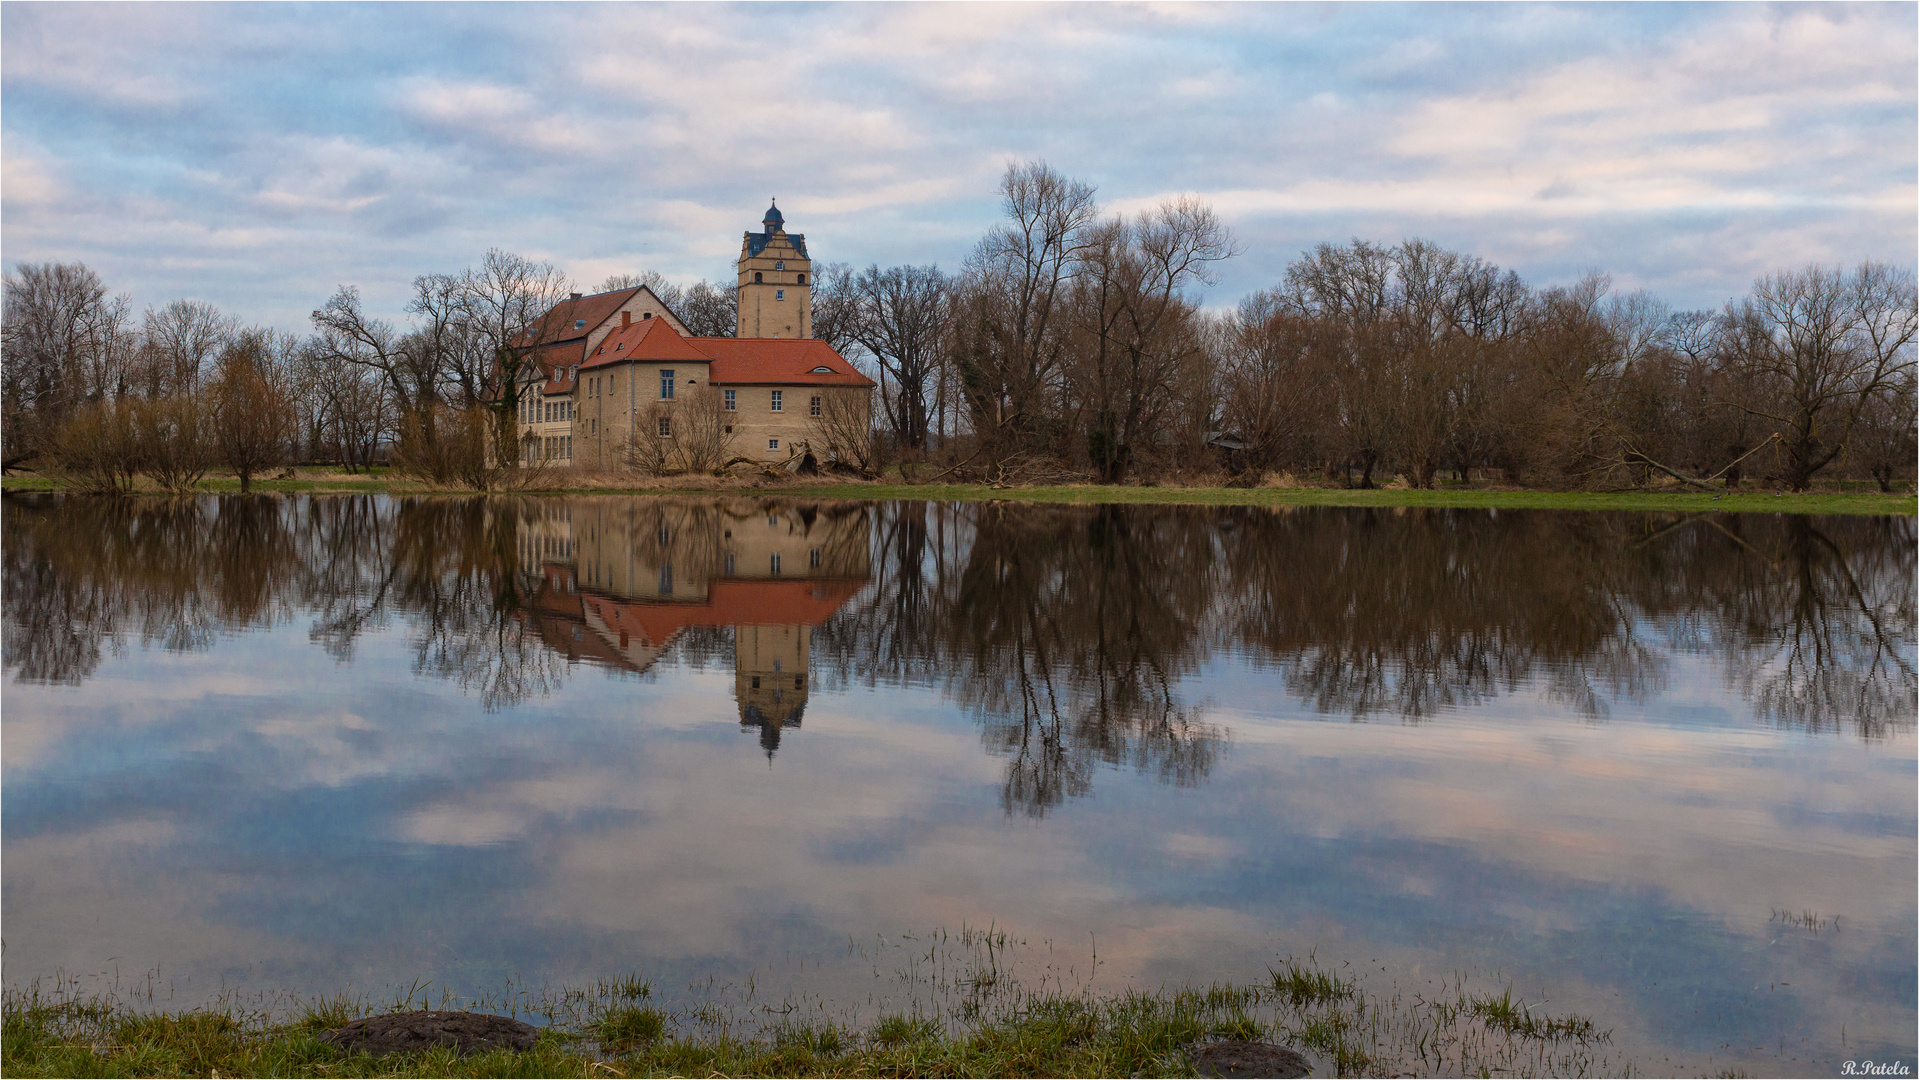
1415	611
1056	625
458	579
1820	626
1068	630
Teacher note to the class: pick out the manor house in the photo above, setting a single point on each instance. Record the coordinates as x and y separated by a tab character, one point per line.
618	376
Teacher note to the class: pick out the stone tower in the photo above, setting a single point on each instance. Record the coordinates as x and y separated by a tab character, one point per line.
776	282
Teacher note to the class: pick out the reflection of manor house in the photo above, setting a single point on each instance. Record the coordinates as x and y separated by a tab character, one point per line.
622	579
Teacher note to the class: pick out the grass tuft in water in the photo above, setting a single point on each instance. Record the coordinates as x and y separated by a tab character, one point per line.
997	1026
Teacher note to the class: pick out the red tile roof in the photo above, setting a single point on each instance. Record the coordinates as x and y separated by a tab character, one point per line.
559	324
729	602
759	361
736	361
646	339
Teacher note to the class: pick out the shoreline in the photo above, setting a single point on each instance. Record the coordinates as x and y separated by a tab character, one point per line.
996	1028
1736	502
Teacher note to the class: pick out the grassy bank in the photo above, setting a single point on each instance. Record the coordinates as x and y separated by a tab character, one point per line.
614	1030
1817	502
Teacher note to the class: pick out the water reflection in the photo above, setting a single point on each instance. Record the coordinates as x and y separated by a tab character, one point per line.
245	739
1064	629
620	582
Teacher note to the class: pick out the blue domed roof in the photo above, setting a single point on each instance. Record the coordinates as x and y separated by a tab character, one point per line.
773	216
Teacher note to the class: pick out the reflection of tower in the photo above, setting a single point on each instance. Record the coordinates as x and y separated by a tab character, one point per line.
769	678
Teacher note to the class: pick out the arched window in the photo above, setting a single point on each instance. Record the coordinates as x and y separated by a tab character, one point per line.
802	279
757	277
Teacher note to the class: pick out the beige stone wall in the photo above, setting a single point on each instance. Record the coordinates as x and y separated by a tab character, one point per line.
611	397
779	268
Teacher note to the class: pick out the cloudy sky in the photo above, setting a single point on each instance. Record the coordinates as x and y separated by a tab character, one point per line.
258	156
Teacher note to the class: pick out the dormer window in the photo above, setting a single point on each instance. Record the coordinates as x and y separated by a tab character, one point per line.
621	346
821	370
579	324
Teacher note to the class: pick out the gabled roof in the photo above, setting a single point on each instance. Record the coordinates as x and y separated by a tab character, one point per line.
756	242
647	339
562	323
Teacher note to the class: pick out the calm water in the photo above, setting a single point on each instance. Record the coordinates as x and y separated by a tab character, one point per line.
1655	768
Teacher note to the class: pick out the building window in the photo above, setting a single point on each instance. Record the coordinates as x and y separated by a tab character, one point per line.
802	279
776	400
732	400
666	579
779	264
729	562
757	277
772	444
813	558
813	407
666	384
779	294
729	429
569	446
776	562
666	427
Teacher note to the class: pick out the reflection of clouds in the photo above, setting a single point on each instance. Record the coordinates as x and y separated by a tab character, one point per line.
615	828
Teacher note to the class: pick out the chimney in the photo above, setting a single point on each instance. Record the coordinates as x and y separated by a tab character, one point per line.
626	318
575	296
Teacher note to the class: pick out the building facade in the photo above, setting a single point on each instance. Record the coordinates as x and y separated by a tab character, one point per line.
619	382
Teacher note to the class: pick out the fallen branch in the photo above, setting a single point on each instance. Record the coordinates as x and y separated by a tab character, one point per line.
1705	484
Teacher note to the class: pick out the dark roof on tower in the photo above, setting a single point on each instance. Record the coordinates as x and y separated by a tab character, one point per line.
773	216
756	242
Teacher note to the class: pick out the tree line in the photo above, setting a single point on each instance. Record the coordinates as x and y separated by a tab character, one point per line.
1075	343
1071	344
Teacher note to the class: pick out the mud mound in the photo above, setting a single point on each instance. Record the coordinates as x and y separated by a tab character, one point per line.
409	1032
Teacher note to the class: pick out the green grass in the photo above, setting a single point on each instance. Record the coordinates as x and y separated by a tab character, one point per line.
1004	1031
1739	502
1470	499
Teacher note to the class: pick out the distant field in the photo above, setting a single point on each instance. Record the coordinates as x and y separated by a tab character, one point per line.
1847	502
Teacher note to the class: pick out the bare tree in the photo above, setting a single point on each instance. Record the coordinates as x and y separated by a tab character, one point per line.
1010	337
253	417
1142	324
62	342
1817	346
179	342
710	310
843	431
837	306
900	318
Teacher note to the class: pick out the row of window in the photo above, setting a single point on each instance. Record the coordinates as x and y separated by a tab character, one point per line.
534	412
550	448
